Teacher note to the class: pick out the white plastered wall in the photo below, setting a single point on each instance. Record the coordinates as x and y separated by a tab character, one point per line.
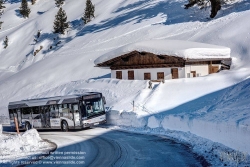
202	70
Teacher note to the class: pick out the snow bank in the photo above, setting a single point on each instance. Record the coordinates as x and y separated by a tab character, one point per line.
185	49
229	134
17	146
129	119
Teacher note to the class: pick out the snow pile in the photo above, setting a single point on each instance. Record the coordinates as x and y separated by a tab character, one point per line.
184	49
15	146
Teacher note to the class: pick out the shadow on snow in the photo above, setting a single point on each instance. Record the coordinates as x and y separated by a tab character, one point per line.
226	99
144	10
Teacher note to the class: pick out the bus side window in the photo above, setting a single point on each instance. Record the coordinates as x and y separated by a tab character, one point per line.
66	111
75	108
65	106
26	113
60	110
53	111
35	112
11	112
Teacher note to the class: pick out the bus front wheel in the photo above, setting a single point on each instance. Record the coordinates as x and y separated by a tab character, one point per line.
65	126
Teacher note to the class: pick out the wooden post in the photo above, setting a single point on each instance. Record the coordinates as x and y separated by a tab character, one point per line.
16	123
133	105
210	68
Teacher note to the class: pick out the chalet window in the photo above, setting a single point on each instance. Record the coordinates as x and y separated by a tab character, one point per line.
160	75
193	73
118	74
174	72
131	75
147	76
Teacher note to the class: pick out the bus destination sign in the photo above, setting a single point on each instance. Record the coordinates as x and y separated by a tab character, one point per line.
91	97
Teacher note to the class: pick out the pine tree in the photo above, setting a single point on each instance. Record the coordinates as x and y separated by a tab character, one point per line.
5	42
60	23
24	9
1	24
33	2
1	4
59	3
1	8
89	12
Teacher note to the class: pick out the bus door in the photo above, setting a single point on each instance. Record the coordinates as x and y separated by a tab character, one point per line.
45	116
54	116
83	113
36	117
76	114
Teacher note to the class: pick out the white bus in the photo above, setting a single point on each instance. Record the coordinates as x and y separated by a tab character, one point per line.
62	112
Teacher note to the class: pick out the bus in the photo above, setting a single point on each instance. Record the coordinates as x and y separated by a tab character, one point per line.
61	112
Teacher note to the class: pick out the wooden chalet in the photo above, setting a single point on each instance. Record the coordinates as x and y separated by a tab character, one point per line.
148	66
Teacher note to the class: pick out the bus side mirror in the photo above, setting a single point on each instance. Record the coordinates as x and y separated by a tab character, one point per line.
103	99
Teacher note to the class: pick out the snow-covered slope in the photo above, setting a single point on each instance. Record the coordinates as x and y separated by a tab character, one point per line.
68	67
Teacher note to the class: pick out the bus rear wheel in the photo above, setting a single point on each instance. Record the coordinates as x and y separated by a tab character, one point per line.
64	126
27	126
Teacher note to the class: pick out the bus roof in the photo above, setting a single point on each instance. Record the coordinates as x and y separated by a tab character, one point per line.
53	100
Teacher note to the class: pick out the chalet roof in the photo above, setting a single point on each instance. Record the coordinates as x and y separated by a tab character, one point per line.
183	49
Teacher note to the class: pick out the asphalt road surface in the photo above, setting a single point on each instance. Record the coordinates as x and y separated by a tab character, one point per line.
104	147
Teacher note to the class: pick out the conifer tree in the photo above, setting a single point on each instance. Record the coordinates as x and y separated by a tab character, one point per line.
1	4
1	24
59	3
1	12
24	9
89	12
1	7
60	23
5	42
33	2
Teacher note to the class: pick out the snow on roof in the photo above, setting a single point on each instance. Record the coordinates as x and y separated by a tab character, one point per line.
184	49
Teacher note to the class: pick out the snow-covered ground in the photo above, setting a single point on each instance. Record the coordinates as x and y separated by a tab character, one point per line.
16	147
214	107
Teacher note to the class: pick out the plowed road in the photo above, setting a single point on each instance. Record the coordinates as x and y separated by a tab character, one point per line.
105	147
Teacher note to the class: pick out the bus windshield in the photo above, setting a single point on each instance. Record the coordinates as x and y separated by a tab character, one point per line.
94	107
